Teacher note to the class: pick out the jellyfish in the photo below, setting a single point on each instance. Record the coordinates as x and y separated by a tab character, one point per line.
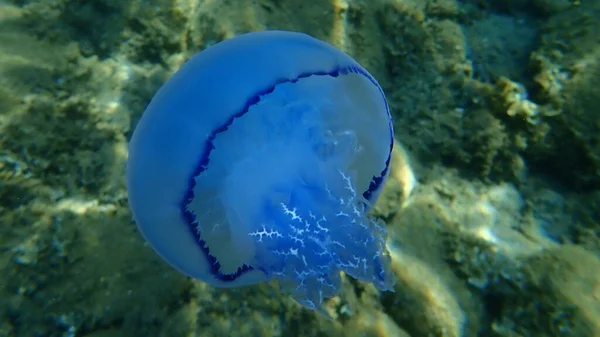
259	160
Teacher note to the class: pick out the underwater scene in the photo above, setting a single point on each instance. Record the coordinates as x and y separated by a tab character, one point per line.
355	168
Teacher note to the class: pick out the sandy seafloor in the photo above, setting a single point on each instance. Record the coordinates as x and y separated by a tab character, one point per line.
493	204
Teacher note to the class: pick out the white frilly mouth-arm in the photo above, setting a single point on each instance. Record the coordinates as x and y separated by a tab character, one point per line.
258	160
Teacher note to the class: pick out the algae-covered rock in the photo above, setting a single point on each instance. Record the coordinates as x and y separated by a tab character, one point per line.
568	77
473	256
561	296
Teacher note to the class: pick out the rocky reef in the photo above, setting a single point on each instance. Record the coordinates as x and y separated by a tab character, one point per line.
492	207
